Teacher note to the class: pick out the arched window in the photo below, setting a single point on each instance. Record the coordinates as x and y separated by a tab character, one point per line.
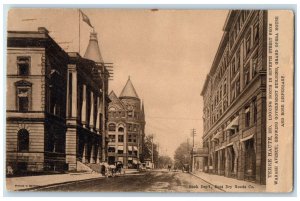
23	140
112	127
121	130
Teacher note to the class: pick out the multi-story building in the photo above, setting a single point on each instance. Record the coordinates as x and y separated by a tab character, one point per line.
56	103
126	127
234	94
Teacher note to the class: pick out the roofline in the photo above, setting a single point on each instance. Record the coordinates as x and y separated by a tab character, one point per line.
221	47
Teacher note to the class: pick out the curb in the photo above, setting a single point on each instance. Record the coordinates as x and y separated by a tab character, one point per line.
58	184
207	182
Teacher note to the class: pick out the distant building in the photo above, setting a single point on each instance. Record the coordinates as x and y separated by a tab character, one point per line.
126	127
234	97
56	104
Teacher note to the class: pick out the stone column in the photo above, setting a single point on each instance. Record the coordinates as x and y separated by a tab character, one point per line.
98	115
92	159
241	162
98	154
71	133
219	162
92	112
83	109
226	162
260	140
84	153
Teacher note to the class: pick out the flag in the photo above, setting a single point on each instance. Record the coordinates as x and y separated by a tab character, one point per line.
86	19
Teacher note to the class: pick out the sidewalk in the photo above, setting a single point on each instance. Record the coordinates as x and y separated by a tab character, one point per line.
21	183
230	184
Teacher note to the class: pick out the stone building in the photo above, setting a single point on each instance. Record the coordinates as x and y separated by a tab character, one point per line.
126	127
56	103
234	94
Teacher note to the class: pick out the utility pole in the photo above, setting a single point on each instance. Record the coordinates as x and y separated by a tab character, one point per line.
192	153
152	151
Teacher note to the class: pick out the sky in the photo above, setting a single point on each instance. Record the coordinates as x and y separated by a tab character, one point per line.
166	53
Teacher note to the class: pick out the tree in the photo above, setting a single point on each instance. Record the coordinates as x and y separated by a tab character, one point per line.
147	149
182	155
164	161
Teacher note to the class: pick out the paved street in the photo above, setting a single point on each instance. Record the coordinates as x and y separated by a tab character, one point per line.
154	181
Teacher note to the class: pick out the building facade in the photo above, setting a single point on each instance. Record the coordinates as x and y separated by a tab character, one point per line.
234	96
126	127
56	103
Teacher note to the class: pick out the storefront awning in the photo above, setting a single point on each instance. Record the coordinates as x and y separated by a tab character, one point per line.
135	148
120	147
230	144
129	158
129	148
233	123
247	138
223	147
134	161
217	135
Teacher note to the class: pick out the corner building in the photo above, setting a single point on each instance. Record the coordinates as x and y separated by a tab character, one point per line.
126	127
234	95
56	104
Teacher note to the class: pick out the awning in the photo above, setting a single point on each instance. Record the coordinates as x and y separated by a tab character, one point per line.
130	158
247	109
120	147
230	144
217	135
135	148
129	148
134	161
223	147
247	138
111	147
233	123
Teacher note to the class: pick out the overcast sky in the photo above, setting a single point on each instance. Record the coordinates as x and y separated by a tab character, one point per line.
166	53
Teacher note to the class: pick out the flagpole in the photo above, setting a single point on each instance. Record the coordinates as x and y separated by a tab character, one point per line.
79	30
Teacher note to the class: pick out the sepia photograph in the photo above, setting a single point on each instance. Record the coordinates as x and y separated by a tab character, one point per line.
149	100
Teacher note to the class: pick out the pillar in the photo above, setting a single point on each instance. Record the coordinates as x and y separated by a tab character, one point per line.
260	140
71	133
92	112
84	153
98	115
83	109
241	162
92	159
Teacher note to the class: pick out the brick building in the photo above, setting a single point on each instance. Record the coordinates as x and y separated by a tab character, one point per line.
234	94
126	127
56	103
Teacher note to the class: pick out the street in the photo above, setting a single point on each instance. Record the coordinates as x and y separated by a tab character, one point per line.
151	181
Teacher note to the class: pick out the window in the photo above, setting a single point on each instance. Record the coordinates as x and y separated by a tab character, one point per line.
23	91
111	149
129	138
225	88
23	140
233	68
112	138
254	111
130	127
248	43
254	64
129	113
112	127
120	151
121	129
255	33
247	117
23	65
247	74
120	138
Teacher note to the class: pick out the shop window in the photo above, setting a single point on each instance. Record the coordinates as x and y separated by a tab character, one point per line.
120	151
23	65
23	140
111	149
